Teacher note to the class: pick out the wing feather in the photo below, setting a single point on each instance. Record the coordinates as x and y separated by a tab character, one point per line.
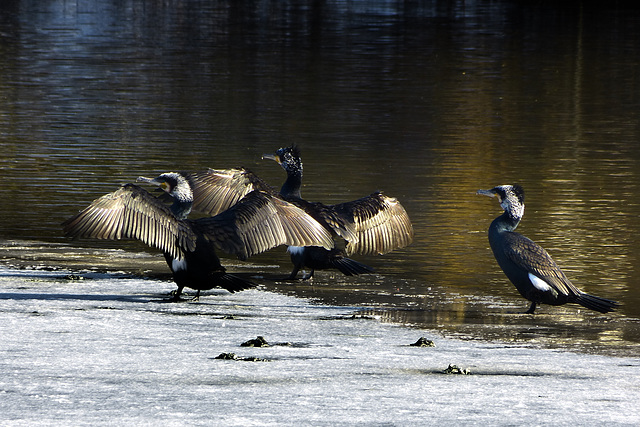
260	222
533	258
381	224
328	217
132	212
216	190
300	228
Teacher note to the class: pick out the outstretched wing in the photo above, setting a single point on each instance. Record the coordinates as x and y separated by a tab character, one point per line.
381	224
132	212
531	257
260	222
215	191
328	217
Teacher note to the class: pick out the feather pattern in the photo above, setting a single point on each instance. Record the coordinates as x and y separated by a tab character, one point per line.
132	212
216	190
260	222
328	217
381	224
533	258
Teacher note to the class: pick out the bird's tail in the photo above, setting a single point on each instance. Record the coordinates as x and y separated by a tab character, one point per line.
595	303
350	267
234	283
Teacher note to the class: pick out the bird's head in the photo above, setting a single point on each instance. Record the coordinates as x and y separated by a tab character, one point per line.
288	158
511	198
173	183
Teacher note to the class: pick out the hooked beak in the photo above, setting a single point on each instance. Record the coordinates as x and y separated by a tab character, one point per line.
154	181
273	157
145	179
490	193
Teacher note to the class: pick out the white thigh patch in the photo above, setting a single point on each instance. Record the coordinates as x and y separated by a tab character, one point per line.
179	264
538	283
295	250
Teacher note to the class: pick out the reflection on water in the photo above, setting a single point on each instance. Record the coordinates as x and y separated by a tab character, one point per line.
428	103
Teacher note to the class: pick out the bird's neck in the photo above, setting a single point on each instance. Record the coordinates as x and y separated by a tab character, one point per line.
508	221
181	209
293	185
182	200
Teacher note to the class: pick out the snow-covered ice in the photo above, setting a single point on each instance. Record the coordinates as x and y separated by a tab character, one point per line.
109	350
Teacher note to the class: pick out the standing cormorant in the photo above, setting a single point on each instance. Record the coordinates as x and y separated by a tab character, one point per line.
257	222
527	265
375	224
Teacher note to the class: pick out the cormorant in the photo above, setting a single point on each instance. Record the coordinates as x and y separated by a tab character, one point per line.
257	222
527	265
375	224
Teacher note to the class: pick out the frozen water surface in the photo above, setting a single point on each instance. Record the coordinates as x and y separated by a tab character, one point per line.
108	349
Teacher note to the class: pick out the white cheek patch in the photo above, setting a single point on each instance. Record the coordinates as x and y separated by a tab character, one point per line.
516	210
179	264
295	250
539	284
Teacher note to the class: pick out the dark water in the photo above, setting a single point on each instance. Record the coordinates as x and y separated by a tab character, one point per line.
427	101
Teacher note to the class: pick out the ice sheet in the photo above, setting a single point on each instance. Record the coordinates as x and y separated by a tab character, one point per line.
109	350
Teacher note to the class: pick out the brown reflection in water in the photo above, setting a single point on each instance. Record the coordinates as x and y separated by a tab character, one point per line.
428	104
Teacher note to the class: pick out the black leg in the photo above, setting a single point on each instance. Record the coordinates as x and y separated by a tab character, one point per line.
294	273
531	309
175	295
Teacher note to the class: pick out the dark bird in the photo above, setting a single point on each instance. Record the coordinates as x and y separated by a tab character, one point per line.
529	267
256	222
375	224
